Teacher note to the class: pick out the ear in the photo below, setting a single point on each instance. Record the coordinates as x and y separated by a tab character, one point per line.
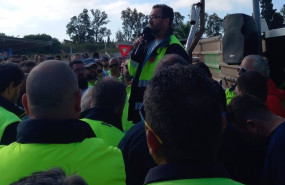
25	103
251	125
153	144
166	21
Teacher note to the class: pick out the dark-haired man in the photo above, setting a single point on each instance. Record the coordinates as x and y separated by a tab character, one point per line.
252	117
107	101
146	55
11	78
90	71
183	122
78	68
54	137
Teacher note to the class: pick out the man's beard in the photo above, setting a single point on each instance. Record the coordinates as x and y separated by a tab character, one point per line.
82	83
91	76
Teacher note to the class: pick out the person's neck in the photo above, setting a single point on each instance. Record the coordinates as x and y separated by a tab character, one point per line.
276	121
161	35
117	75
92	81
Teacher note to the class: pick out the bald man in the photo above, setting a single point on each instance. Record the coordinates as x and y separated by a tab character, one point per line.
54	137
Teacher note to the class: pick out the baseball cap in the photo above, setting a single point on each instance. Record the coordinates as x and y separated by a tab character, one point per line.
88	62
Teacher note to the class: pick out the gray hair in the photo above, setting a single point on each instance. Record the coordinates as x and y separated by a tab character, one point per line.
260	64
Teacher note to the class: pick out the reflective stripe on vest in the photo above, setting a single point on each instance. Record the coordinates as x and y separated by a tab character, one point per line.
110	134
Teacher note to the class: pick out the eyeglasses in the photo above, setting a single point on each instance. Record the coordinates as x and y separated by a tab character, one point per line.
93	67
79	70
99	70
147	125
153	17
113	65
241	69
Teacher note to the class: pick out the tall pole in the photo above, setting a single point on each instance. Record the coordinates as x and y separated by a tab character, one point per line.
256	16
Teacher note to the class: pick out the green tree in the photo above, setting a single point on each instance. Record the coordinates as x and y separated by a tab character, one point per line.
183	31
214	25
133	23
79	28
54	48
271	16
100	19
120	37
282	11
177	21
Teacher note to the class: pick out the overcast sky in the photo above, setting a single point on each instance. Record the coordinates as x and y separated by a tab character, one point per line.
24	17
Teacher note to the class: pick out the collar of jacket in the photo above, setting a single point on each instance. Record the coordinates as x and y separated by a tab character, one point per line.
105	115
6	104
175	171
165	43
53	131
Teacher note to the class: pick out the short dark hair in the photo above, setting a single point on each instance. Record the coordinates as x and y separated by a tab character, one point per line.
55	176
253	83
167	12
10	72
75	62
26	64
245	107
205	68
181	107
108	93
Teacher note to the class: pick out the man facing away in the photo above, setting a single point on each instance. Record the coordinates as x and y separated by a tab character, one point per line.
183	122
54	137
146	55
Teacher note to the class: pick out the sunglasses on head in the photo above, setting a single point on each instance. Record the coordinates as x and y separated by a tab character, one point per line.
113	65
241	69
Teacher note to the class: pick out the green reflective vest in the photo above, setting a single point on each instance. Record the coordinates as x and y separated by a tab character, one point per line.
92	159
149	67
125	123
203	181
110	134
6	118
229	95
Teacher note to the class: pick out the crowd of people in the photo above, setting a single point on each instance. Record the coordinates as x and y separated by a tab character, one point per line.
152	118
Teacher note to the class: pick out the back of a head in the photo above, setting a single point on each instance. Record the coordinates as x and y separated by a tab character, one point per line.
181	107
108	93
244	107
10	72
253	83
169	60
205	68
54	176
260	64
51	88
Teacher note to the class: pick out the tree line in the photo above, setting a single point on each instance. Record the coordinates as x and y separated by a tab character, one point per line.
89	30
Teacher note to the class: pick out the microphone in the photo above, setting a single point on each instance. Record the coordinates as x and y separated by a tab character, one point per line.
147	36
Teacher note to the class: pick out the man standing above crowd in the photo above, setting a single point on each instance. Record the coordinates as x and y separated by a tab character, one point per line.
11	78
54	137
149	49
